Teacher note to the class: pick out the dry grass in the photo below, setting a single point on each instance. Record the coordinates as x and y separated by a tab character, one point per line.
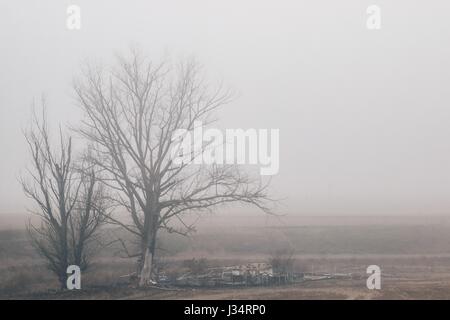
415	263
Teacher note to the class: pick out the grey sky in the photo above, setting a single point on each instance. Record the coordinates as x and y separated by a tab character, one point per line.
363	115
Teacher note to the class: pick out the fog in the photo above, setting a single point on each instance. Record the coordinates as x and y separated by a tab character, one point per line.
363	114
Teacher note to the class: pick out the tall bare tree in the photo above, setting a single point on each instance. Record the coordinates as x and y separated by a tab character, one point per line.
132	112
70	202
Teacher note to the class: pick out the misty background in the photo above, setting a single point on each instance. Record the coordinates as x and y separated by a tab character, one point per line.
363	114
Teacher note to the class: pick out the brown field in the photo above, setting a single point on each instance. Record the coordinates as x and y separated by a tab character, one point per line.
414	258
408	282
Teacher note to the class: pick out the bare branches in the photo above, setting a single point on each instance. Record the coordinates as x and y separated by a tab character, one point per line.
70	202
132	114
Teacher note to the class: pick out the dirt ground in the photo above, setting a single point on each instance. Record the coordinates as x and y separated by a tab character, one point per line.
414	259
402	278
318	290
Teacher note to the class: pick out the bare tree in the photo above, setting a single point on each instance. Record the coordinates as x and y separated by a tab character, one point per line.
132	112
70	202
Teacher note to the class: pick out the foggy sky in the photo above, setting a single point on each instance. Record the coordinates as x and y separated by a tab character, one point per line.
364	116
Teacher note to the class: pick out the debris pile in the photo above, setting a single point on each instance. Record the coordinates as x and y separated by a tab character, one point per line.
250	274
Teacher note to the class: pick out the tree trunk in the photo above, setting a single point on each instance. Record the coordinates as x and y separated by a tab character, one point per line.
62	281
146	271
148	250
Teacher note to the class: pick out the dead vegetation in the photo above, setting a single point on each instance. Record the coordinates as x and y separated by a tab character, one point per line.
409	274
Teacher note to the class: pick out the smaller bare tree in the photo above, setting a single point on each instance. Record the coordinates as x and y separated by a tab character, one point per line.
70	202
